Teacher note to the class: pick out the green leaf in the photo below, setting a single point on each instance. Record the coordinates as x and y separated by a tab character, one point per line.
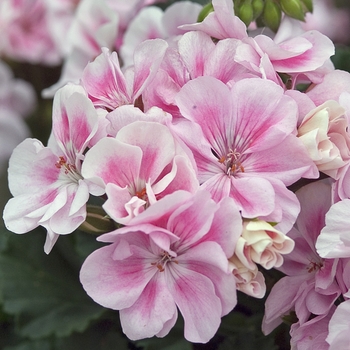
31	345
43	291
104	335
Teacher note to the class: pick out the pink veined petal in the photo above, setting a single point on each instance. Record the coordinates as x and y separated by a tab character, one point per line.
116	284
207	101
194	294
191	221
147	59
194	49
219	186
258	123
288	162
208	259
254	196
74	120
157	152
31	167
221	63
112	161
192	135
226	227
182	176
151	311
105	82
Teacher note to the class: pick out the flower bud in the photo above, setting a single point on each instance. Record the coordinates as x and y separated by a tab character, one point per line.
272	15
245	12
258	6
293	8
97	221
308	5
208	8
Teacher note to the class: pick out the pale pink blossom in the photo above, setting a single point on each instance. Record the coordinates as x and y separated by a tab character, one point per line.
94	26
249	279
244	145
194	55
172	256
17	101
46	182
296	53
310	287
108	87
262	244
339	327
324	133
135	169
26	32
151	22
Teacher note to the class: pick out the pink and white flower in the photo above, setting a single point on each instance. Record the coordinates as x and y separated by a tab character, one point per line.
244	145
108	87
173	255
46	182
324	133
310	287
135	170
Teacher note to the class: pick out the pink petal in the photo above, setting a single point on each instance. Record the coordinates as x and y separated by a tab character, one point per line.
195	297
112	161
152	310
117	284
157	152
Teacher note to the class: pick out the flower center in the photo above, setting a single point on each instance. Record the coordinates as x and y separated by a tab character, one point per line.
163	260
314	266
69	169
231	161
142	194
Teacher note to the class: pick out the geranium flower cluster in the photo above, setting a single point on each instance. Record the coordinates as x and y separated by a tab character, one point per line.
194	144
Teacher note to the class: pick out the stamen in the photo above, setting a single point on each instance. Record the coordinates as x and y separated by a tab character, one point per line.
142	194
62	162
69	169
165	258
313	266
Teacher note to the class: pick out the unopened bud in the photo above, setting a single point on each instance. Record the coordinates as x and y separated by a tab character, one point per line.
258	6
272	15
208	8
97	221
293	8
245	12
308	5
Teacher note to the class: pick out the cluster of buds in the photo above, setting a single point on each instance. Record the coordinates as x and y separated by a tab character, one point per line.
265	12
